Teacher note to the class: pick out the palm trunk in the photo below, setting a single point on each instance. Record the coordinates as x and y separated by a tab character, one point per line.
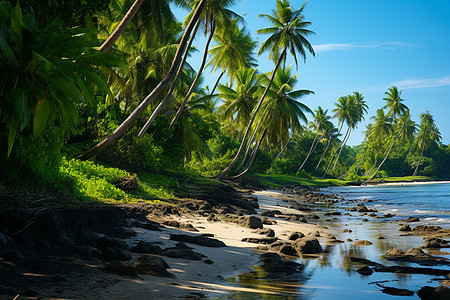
389	152
217	82
194	83
361	160
373	166
121	27
324	151
172	86
241	147
418	163
347	136
252	159
146	102
249	144
311	149
334	153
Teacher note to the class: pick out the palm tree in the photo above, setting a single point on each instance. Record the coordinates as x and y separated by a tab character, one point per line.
215	14
234	50
331	135
395	108
320	124
282	113
287	34
155	92
428	135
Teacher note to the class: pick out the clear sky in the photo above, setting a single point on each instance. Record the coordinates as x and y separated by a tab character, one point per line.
367	46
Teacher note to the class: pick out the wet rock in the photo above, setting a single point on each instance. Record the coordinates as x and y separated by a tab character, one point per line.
152	265
252	222
147	225
333	213
268	240
308	245
430	293
177	224
270	213
362	243
395	291
177	252
412	219
415	255
435	243
114	253
365	261
144	247
288	249
273	263
427	229
380	237
295	235
347	230
411	270
116	267
364	220
198	240
208	261
266	231
404	227
366	271
361	208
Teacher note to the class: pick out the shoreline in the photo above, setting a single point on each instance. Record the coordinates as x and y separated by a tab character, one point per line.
217	273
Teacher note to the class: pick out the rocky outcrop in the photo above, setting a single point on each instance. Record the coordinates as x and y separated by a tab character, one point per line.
415	255
198	240
152	265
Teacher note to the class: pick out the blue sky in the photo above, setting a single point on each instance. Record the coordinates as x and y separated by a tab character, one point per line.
367	46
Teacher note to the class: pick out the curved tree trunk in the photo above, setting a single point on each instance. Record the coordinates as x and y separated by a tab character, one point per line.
217	82
252	159
172	86
387	154
311	149
324	151
146	102
347	136
121	27
418	163
334	153
241	147
194	83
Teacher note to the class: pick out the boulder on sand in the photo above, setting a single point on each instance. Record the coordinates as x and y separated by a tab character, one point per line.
308	245
152	265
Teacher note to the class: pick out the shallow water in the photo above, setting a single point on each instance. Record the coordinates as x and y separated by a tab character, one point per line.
333	276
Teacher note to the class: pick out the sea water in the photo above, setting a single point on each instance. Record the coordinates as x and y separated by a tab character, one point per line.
333	275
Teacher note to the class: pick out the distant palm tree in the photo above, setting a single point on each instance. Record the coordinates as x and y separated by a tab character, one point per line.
287	34
320	125
428	135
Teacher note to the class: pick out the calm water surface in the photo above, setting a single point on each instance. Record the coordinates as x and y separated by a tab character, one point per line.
333	276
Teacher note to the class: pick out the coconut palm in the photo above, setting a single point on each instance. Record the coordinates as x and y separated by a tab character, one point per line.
216	14
332	134
429	134
320	124
396	108
152	95
287	34
234	50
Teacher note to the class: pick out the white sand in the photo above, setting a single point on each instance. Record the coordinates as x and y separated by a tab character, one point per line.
191	276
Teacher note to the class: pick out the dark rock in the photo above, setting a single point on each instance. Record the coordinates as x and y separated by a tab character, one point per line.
405	228
198	240
427	229
147	225
288	249
268	240
395	291
411	270
105	241
362	243
116	267
208	261
435	243
114	253
365	261
366	271
314	233
152	265
144	247
252	222
415	255
182	253
412	219
308	245
439	293
270	213
295	235
266	231
273	263
276	245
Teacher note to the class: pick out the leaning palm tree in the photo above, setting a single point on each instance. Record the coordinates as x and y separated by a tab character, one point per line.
234	50
320	124
282	113
396	108
288	34
427	135
152	95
